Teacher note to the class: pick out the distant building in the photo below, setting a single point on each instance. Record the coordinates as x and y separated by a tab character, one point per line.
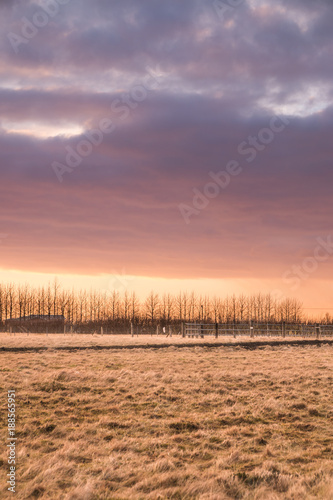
38	317
37	323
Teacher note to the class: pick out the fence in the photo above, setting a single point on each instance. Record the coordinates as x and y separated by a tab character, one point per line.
283	329
167	330
198	330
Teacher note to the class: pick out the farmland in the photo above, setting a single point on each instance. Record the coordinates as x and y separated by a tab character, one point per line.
190	423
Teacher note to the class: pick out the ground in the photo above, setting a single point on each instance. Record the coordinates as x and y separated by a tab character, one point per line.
190	423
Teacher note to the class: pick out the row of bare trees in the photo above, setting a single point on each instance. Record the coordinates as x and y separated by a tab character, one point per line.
81	307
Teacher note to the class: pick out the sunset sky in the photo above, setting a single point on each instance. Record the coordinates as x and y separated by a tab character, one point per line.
180	144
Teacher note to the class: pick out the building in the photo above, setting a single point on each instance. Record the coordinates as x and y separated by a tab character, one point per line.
37	323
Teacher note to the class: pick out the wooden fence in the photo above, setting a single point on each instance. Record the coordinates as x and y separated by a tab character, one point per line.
200	330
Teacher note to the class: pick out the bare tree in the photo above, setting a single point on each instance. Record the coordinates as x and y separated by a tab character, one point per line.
82	307
134	307
152	306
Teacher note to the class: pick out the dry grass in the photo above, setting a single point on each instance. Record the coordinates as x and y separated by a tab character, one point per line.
54	340
190	423
89	340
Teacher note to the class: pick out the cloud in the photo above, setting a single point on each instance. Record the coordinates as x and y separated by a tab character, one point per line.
188	40
221	83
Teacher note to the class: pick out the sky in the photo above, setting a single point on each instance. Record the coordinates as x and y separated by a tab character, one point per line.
168	145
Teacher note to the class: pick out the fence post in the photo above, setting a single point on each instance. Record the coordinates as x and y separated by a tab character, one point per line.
216	330
233	329
317	330
157	329
182	329
251	329
132	332
101	330
283	329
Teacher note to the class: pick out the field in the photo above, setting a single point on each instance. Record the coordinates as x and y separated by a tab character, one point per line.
190	423
38	340
88	340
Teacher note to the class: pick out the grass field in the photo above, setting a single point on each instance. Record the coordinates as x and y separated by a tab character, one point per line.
39	340
191	423
54	340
